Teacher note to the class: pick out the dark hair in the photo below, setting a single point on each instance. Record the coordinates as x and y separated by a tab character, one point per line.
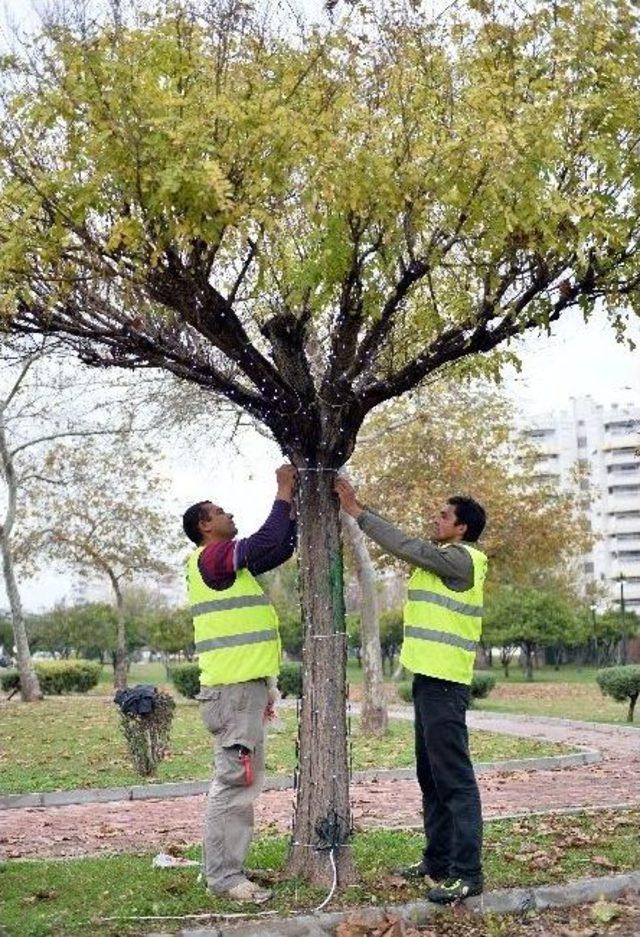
191	519
469	512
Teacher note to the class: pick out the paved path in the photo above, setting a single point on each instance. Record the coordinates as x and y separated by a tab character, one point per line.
126	826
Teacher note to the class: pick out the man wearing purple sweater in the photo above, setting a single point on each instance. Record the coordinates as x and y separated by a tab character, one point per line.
236	635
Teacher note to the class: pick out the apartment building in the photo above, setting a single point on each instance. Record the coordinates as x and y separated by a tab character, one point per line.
606	441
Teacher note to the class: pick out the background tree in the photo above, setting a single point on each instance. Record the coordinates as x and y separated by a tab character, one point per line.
532	618
312	224
43	399
108	520
463	437
373	718
611	628
170	631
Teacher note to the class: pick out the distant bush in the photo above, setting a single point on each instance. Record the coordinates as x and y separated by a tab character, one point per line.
290	679
622	684
58	676
405	692
186	679
481	685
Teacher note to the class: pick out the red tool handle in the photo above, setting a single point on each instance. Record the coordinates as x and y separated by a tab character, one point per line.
247	766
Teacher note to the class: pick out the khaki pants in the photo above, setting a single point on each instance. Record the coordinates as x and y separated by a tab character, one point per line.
234	715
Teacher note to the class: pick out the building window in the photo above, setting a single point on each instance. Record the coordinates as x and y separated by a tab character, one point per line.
633	555
582	442
622	515
621	427
540	433
587	568
628	536
624	489
623	467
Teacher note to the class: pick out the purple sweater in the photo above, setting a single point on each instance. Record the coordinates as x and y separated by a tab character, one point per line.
270	546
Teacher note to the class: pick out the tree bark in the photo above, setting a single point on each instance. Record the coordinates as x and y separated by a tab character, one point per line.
322	811
632	705
373	718
29	683
120	658
528	661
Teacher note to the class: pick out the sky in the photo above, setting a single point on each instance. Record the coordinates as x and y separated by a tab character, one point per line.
577	359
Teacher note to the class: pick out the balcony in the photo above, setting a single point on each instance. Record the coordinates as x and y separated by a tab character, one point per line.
629	440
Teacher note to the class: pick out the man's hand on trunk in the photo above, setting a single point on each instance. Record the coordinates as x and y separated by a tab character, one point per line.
347	495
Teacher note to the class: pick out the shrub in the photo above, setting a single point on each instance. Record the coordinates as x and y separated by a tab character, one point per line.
481	685
186	679
147	735
405	692
59	676
10	680
622	684
290	679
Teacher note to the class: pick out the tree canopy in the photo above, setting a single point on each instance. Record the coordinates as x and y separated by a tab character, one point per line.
311	219
465	438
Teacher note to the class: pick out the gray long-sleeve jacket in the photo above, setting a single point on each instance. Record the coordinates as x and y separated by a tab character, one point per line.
450	561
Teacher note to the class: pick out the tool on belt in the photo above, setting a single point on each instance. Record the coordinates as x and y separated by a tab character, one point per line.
244	756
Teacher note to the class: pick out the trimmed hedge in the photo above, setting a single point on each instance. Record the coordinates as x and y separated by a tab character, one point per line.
58	676
481	685
290	679
186	679
622	684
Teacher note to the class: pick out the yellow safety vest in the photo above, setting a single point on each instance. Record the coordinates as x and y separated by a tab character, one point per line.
236	629
442	628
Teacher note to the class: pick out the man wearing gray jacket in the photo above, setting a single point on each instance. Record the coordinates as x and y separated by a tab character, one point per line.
442	627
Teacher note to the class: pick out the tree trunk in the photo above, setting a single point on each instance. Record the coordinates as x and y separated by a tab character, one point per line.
120	657
322	812
632	705
29	684
528	661
373	719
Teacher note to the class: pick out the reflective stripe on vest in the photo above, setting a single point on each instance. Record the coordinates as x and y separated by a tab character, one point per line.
420	595
236	629
224	605
235	640
442	627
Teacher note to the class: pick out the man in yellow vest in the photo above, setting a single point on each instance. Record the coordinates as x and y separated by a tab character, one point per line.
238	647
442	627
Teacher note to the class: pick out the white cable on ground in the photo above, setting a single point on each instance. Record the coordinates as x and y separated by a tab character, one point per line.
333	887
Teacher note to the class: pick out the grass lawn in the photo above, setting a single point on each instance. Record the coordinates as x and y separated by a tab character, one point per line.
56	898
567	700
63	743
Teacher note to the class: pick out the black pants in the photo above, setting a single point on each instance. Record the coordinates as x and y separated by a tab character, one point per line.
450	796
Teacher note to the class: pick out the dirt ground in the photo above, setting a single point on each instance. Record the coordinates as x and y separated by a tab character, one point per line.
617	919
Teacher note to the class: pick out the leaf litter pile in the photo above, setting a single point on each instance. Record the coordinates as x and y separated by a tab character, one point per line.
620	918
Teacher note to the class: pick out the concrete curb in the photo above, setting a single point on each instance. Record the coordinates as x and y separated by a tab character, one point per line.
274	782
503	901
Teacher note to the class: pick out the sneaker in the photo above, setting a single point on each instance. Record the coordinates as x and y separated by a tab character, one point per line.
418	871
248	892
454	889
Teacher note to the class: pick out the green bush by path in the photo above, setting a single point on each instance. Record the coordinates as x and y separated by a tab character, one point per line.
63	744
186	679
71	898
290	679
58	676
622	684
481	685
